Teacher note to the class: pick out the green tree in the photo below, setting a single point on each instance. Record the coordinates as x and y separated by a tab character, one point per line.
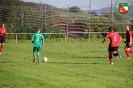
74	9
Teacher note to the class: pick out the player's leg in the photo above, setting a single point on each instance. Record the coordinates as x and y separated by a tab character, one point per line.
127	52
38	57
2	47
116	53
38	54
131	51
34	54
127	49
110	50
110	57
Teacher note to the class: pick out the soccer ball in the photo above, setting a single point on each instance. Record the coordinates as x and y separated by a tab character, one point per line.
45	59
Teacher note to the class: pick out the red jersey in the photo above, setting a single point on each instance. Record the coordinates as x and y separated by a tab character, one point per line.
3	32
128	35
115	39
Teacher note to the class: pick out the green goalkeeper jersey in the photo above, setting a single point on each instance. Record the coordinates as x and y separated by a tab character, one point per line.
37	38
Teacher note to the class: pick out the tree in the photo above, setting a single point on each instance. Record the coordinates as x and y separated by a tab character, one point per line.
74	9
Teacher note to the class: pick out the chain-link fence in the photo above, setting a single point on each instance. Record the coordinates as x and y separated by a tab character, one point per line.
77	20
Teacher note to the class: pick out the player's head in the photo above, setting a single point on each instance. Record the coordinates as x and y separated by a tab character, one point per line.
38	29
127	27
3	25
110	28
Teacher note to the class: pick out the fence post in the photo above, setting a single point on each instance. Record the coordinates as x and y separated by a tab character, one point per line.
89	20
111	13
45	16
65	36
16	38
67	22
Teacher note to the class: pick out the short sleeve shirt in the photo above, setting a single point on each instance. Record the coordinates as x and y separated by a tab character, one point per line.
128	35
3	32
115	39
38	38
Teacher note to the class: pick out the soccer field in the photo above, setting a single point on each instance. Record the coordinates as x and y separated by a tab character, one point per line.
74	64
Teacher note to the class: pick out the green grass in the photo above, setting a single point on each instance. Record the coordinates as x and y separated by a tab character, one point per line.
74	64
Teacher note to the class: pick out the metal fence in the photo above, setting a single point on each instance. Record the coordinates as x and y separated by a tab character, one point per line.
27	36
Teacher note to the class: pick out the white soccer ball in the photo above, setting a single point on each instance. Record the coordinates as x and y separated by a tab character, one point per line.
45	59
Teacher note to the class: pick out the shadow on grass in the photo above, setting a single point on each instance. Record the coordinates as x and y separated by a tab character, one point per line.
63	63
5	62
92	57
73	63
85	57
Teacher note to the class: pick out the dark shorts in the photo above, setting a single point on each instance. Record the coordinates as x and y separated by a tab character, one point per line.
112	49
127	45
2	40
36	49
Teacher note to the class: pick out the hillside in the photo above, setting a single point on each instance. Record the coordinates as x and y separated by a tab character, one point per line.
108	10
22	3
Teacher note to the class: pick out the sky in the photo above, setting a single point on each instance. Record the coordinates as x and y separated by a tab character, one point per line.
83	4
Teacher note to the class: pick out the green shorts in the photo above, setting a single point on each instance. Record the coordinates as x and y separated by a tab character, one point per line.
36	49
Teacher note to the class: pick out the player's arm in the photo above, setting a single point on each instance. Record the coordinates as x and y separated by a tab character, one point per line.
107	36
120	38
130	39
6	31
0	31
32	41
104	40
42	42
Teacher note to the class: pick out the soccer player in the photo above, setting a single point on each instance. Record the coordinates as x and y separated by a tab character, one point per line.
3	32
114	44
128	42
38	40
